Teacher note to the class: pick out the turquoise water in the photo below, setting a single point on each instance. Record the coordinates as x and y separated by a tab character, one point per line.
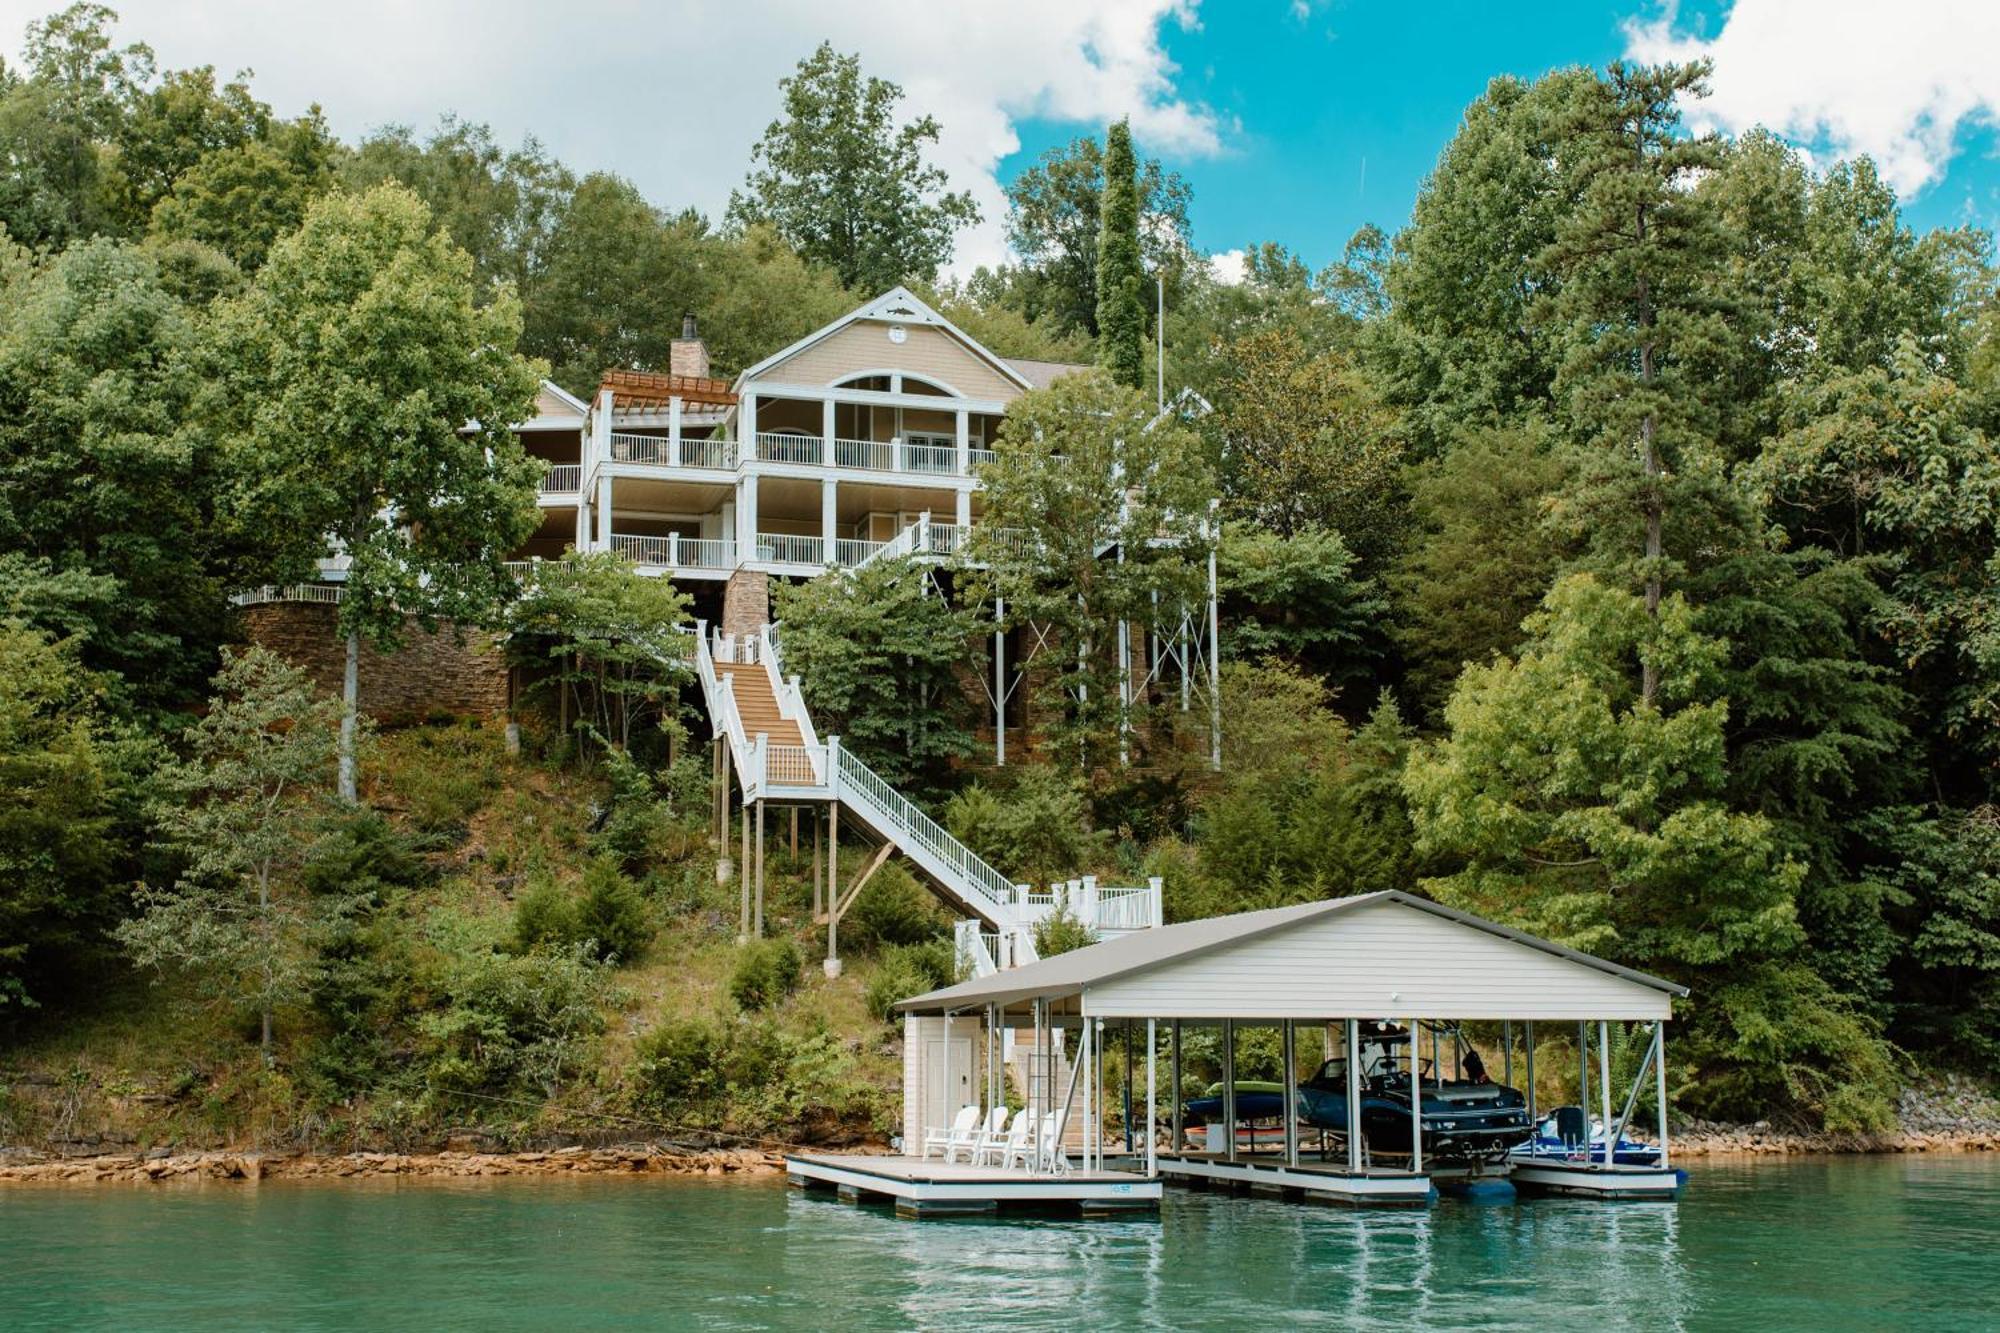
1909	1242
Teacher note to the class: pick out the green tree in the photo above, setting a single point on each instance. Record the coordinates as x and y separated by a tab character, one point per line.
1480	558
1299	597
241	199
56	116
166	129
1093	511
1054	217
845	185
99	473
1121	305
69	779
238	813
375	396
1307	444
603	639
1631	252
879	654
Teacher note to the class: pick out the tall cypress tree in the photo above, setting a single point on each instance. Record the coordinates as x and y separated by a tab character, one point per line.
1633	299
1121	311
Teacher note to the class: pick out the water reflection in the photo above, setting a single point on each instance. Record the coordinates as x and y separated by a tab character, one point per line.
1830	1245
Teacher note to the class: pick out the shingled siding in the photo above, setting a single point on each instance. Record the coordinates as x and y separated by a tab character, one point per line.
431	673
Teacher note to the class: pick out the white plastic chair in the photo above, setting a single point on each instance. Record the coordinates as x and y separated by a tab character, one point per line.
985	1139
1020	1145
1052	1157
962	1128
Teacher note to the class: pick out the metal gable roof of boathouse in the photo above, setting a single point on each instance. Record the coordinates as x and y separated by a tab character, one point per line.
1374	954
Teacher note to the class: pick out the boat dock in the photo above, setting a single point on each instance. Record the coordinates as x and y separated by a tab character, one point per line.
928	1187
1365	978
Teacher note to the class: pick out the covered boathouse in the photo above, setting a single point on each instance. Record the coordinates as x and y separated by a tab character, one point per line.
1328	971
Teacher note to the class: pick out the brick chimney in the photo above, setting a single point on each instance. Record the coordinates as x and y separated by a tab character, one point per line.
688	354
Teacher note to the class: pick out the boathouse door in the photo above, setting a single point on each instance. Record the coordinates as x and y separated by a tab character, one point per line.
947	1080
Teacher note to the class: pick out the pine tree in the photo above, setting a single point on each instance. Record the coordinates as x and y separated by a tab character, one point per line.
1121	313
1632	302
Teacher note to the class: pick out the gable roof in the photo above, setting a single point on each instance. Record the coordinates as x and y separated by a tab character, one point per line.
898	305
1071	973
1042	374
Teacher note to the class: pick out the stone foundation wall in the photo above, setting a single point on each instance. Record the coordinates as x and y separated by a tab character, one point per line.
432	673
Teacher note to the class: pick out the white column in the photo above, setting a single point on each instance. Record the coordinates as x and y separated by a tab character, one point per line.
962	511
746	517
826	433
1416	1103
604	512
598	451
829	491
582	522
1000	685
1354	1139
964	445
1604	1092
746	427
1152	1099
1660	1086
674	430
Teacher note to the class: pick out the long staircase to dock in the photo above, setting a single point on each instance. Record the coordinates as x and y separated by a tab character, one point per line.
776	755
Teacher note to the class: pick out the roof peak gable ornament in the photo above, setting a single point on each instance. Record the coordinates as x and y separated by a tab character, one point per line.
901	306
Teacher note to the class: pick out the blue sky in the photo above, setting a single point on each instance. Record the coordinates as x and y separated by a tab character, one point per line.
1268	107
1332	120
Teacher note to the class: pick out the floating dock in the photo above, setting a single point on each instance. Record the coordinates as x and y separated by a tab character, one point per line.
1313	1182
928	1187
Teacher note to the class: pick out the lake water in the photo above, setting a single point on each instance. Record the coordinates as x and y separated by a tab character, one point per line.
1911	1243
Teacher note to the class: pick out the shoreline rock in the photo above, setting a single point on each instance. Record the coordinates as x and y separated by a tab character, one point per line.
250	1166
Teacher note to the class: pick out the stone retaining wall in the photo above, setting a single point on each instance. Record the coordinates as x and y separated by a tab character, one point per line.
445	672
627	1159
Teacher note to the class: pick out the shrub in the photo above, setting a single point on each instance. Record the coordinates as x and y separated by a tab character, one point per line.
1060	932
610	919
514	1022
361	855
892	909
1035	830
909	969
678	1062
766	973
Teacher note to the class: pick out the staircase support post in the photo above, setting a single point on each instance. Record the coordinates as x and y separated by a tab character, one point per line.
757	922
743	880
832	965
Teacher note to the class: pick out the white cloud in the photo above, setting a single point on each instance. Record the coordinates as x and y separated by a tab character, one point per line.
673	94
1229	267
1896	81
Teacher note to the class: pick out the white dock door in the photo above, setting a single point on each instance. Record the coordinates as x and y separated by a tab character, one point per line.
947	1080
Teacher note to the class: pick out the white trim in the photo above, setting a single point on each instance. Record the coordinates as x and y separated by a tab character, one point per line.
888	308
894	375
582	408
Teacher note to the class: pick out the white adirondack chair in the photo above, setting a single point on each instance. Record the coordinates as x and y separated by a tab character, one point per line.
983	1139
962	1128
1019	1149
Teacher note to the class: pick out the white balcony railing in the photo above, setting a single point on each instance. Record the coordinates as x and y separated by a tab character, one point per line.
708	453
676	552
787	447
659	451
562	479
869	455
936	460
786	549
849	552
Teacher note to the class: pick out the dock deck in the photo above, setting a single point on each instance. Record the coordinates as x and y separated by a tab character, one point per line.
928	1187
1321	1182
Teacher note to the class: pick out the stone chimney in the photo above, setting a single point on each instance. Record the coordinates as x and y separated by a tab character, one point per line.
688	354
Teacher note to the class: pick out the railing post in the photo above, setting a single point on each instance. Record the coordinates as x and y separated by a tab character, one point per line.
1087	909
1157	907
673	548
833	765
763	761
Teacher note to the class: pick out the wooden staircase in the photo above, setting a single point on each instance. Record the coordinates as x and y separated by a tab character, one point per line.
757	705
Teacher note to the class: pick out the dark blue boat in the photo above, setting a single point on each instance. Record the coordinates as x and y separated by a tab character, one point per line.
1465	1119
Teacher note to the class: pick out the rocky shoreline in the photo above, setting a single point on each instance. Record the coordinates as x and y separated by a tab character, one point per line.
159	1166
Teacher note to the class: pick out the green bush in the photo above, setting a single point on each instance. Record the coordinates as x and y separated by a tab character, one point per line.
362	855
678	1062
1060	932
909	969
766	973
1035	830
892	909
610	918
513	1022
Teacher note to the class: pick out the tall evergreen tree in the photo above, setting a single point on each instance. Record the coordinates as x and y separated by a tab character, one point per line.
1633	253
1121	309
